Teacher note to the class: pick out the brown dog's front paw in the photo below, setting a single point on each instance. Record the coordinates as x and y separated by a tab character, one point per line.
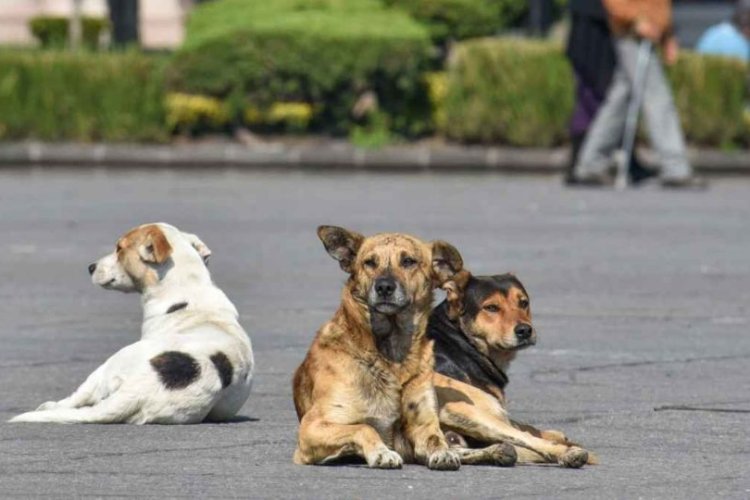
444	460
384	458
503	455
574	458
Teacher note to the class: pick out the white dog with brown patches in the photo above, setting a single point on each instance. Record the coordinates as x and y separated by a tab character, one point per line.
194	361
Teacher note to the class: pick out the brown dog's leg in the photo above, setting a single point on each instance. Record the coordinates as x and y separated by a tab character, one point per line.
474	413
550	435
472	422
422	426
323	442
554	436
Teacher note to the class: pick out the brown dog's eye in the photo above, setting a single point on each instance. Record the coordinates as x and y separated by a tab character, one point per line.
371	263
408	262
523	303
491	308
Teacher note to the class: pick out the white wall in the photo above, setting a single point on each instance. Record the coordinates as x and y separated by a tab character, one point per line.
162	21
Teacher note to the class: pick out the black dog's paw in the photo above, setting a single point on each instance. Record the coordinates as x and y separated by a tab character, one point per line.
455	440
503	455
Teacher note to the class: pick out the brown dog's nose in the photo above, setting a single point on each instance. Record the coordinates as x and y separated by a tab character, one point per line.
385	287
92	268
523	331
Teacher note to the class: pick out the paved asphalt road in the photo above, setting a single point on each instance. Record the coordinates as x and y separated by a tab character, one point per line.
641	300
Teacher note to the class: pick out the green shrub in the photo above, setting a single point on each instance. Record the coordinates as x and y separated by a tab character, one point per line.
54	95
53	31
326	53
508	91
710	93
460	19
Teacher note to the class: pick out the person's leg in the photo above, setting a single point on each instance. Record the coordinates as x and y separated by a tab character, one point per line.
584	112
605	134
663	123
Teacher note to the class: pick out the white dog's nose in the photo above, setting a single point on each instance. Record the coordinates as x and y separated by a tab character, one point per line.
92	268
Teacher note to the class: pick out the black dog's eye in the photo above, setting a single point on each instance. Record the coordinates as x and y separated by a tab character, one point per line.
408	262
523	303
491	308
371	263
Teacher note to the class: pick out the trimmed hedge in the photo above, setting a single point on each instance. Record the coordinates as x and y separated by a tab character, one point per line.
326	53
53	31
520	93
461	19
500	91
85	97
509	91
711	95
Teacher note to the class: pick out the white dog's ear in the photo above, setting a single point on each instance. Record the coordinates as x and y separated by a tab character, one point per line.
154	248
199	246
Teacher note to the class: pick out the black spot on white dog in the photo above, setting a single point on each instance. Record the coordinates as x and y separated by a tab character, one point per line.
176	370
177	307
224	367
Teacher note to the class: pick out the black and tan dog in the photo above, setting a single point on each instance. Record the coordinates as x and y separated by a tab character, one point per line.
365	387
477	330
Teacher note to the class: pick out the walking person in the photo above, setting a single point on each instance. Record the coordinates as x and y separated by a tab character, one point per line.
591	53
632	21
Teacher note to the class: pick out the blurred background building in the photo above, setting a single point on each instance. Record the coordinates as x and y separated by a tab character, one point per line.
160	23
692	17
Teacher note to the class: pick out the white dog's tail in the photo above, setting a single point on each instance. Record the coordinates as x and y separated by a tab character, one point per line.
117	408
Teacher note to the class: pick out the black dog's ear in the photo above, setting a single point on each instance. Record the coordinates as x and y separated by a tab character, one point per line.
446	262
455	289
341	244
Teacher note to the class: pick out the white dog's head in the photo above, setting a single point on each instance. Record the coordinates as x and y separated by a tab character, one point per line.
144	255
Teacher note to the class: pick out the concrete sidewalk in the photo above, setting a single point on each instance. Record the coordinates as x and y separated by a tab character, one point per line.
328	154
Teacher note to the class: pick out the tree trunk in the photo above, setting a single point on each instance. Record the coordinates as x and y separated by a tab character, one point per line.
541	16
123	14
76	25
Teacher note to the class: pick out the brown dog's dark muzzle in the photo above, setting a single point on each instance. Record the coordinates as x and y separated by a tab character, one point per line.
387	295
385	287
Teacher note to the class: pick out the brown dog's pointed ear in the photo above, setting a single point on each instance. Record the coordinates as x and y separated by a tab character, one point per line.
454	293
155	248
446	262
341	244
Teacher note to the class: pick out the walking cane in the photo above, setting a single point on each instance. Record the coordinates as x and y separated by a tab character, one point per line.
634	107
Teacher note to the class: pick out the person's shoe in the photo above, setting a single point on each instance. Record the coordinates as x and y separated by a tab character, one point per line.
639	174
691	183
576	141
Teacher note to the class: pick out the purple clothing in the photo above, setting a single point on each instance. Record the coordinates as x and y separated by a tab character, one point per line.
587	104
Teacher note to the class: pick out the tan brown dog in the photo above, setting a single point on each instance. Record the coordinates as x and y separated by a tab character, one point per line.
478	329
365	388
